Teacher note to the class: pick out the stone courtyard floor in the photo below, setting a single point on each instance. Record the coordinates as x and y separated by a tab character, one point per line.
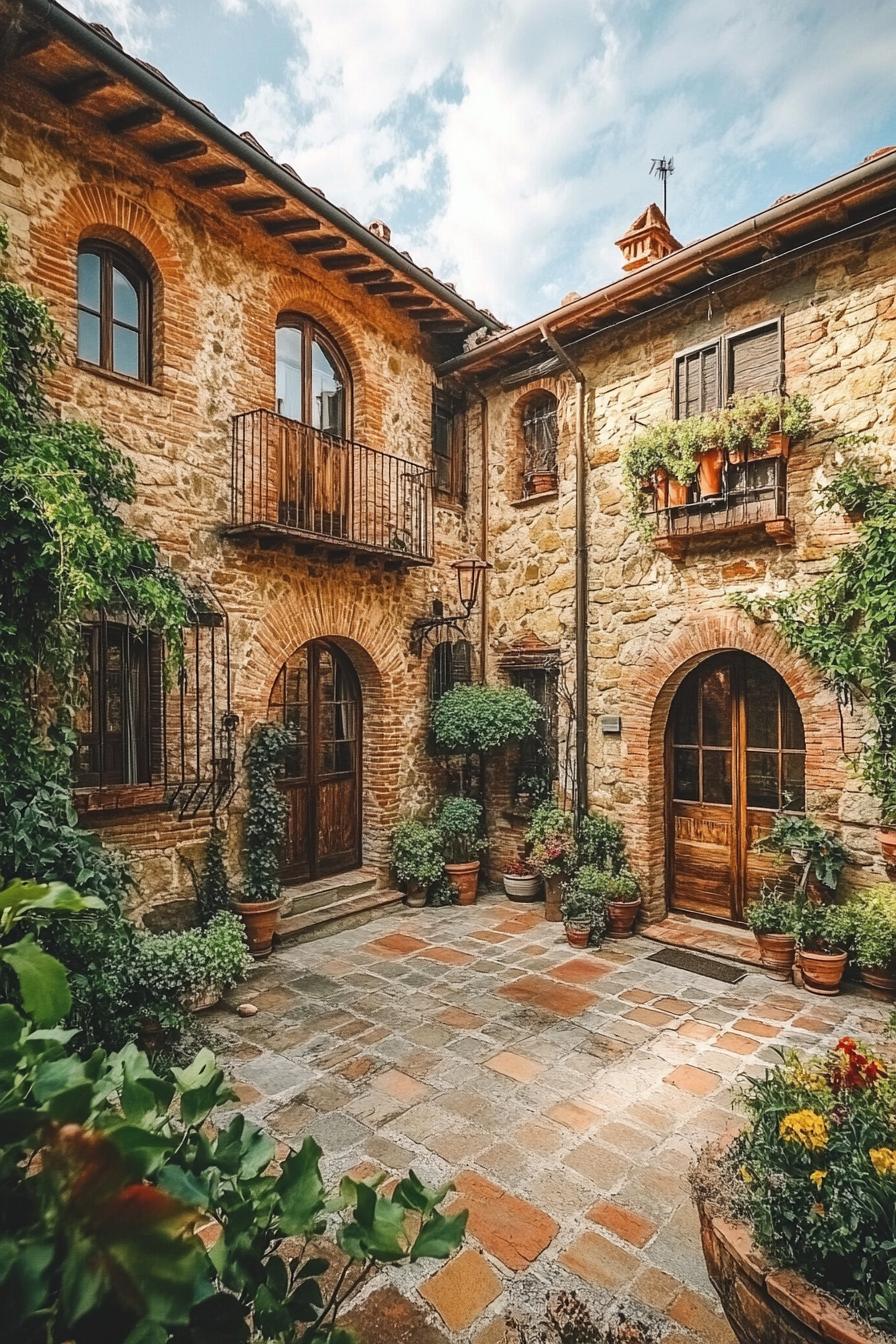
564	1092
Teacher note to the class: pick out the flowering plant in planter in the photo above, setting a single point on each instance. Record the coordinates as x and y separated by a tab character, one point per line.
551	841
814	1173
519	868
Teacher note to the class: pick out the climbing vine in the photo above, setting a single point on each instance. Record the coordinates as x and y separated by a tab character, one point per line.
845	622
266	813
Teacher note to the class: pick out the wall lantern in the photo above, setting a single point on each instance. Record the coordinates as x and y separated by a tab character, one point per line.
469	573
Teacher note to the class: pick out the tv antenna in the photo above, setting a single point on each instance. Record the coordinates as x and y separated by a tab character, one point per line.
663	169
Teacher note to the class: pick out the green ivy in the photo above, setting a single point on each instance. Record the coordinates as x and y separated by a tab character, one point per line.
266	814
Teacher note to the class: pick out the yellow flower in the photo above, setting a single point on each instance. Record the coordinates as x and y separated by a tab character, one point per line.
817	1177
745	1175
883	1160
805	1127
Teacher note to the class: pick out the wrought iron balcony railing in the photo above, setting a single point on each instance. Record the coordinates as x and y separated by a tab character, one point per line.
753	496
316	489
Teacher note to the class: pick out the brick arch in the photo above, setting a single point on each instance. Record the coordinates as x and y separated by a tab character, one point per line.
515	448
646	696
290	294
316	611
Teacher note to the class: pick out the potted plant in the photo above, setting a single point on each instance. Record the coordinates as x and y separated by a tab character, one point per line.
459	824
186	970
821	933
418	859
521	882
621	893
762	425
772	917
265	832
551	845
710	454
600	842
658	466
796	1212
584	908
808	845
872	916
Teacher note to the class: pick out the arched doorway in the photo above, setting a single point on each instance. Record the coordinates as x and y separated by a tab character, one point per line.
318	697
735	755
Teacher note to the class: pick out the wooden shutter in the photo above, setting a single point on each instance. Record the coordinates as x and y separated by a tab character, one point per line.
697	381
754	360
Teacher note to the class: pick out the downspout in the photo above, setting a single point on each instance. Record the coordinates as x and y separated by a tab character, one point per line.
483	525
581	575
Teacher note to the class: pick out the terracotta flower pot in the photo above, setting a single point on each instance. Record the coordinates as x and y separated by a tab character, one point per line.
880	977
710	466
657	485
778	445
552	899
777	951
542	482
621	916
737	456
578	933
522	888
886	838
260	920
678	493
415	896
822	971
464	876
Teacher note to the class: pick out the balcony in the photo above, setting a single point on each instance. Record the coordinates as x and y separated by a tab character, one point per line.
294	484
753	498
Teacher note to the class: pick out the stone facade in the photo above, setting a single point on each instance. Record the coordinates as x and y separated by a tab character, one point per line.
218	287
650	619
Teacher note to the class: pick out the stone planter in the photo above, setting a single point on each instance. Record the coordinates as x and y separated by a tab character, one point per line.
542	482
415	896
822	971
882	978
578	932
464	876
552	899
205	999
621	916
709	472
522	888
886	838
260	920
778	951
766	1305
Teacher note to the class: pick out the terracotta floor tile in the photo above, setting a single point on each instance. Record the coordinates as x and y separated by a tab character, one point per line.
738	1045
673	1005
599	1261
401	1086
648	1017
511	1229
448	956
575	1115
461	1290
754	1028
625	1223
394	945
461	1018
540	992
581	970
518	1067
636	996
656	1288
490	936
697	1031
698	1314
538	1139
699	1082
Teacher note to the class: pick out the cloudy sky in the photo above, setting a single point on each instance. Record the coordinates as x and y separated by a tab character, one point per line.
508	142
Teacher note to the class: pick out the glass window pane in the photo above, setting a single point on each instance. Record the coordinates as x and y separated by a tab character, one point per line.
762	779
762	684
327	394
717	708
686	783
685	726
793	772
125	304
344	756
289	372
717	776
791	722
88	337
125	351
89	280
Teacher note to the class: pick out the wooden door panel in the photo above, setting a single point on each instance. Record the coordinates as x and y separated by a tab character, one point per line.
702	860
296	861
337	823
758	867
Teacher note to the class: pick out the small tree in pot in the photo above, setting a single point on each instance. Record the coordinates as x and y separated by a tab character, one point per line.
264	836
418	858
459	823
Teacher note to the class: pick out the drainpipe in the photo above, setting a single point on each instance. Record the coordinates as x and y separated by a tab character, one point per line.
483	526
581	576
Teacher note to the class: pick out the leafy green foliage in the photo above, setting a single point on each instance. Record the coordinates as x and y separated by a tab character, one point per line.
550	841
802	839
42	982
773	911
417	852
871	916
213	889
584	901
471	719
459	823
821	928
817	1170
266	813
854	488
600	842
179	967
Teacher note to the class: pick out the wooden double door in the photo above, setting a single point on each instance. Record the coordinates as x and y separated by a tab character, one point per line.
318	698
735	755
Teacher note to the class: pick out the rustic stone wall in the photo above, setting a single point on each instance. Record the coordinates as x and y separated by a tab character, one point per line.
650	618
219	285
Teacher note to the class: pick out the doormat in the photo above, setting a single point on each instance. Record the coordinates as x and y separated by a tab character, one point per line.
691	961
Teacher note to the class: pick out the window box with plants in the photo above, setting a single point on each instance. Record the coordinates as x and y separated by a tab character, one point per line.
797	1212
871	917
772	917
521	882
261	899
459	822
822	937
418	859
584	908
550	842
763	425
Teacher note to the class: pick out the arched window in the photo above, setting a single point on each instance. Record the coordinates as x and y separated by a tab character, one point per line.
450	665
114	299
539	426
312	377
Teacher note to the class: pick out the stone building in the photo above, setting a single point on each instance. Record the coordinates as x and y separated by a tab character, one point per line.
268	363
799	299
321	428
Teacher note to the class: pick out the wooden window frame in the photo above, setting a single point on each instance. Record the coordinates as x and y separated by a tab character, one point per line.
113	257
723	347
312	331
149	731
452	411
529	467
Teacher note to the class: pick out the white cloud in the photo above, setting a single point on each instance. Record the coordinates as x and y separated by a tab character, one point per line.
127	19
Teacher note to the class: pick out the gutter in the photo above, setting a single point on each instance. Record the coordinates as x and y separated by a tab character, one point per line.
483	525
800	208
581	575
81	35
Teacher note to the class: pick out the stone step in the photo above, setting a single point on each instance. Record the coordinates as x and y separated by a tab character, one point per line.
301	897
346	913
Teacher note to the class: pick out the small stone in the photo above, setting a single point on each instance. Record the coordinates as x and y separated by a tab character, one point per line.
247	1010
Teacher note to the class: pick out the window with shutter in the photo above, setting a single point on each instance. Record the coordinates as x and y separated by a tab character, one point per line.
697	381
754	360
450	665
120	720
448	447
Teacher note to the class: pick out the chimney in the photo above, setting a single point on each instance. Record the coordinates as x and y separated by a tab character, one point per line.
648	239
380	230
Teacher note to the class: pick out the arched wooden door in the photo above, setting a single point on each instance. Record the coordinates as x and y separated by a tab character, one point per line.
735	755
317	696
